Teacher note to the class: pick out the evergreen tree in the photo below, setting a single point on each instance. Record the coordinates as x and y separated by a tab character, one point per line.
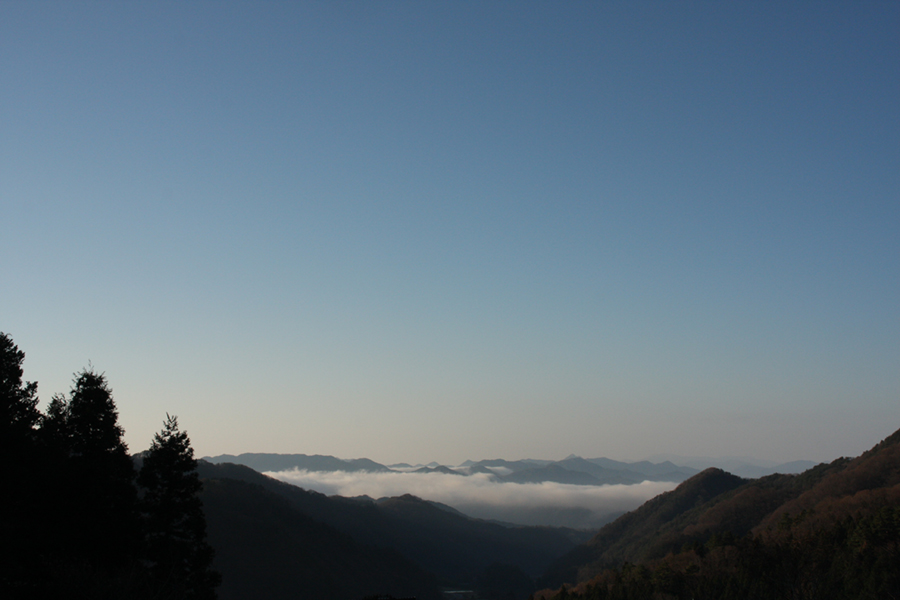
18	401
19	463
101	497
54	431
174	524
93	420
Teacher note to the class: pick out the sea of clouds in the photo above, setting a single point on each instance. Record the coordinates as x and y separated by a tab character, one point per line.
483	497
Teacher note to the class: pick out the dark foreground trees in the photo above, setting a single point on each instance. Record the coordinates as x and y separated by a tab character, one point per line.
71	521
18	400
95	474
19	418
174	527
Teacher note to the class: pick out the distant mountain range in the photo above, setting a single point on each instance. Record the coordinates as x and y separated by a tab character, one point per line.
747	467
286	462
827	528
571	470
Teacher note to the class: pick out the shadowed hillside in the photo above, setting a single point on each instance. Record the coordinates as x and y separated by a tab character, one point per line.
265	548
630	536
868	480
830	532
454	547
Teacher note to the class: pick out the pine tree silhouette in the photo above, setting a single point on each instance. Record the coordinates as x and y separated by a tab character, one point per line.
174	525
18	401
101	500
20	500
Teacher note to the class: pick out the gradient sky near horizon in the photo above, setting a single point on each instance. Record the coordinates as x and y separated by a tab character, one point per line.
418	231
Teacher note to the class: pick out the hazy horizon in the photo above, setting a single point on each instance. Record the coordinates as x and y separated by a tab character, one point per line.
678	460
444	231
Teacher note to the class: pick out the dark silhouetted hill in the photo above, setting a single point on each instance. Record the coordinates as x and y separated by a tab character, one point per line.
265	548
454	547
872	479
460	548
630	536
831	531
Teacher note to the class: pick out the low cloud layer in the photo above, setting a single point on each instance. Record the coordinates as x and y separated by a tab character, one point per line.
483	497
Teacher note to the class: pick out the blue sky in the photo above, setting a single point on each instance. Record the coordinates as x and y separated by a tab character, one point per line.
439	231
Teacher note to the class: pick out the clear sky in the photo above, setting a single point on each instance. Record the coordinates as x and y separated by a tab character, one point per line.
444	230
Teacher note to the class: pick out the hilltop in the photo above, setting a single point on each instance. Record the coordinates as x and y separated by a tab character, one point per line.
831	531
403	546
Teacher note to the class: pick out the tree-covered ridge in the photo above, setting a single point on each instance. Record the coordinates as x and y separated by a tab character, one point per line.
77	520
454	547
853	557
266	548
835	533
634	535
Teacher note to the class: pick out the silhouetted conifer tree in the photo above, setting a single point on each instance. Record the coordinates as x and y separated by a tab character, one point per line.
54	431
100	497
174	525
19	464
18	401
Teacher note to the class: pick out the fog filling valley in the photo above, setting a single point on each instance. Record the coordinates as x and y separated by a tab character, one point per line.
481	496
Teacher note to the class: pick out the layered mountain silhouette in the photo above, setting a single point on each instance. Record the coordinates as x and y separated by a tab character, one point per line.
558	474
286	462
747	467
265	548
717	535
572	470
259	526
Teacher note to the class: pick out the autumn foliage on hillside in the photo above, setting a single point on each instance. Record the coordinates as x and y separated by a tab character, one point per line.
835	534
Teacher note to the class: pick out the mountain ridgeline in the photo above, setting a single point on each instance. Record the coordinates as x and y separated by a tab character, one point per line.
832	531
716	535
571	470
420	543
86	520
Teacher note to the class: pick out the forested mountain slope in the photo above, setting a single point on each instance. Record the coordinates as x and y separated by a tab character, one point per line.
265	548
454	547
629	536
831	532
869	480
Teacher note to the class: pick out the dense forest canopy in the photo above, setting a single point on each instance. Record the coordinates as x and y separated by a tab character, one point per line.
830	532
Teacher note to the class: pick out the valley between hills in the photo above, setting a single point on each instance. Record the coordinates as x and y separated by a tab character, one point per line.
87	519
829	531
